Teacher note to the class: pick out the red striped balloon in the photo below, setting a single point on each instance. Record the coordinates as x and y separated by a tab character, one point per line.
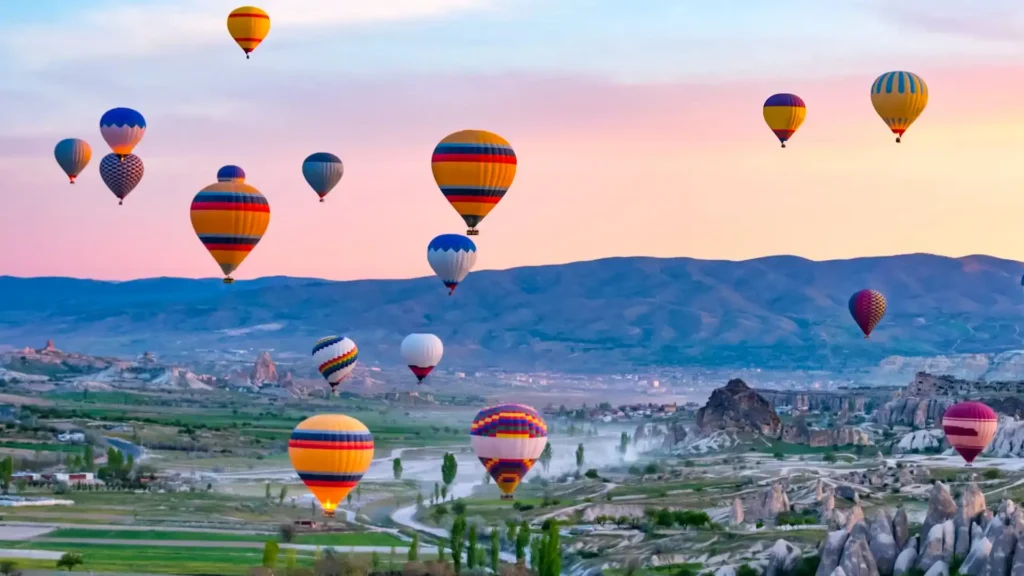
867	308
969	427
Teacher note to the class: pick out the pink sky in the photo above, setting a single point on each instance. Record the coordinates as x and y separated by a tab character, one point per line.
605	169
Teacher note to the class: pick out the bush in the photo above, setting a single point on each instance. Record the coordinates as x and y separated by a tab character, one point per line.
779	456
796	519
287	531
759	524
745	570
830	457
808	566
459	507
69	560
651	468
992	474
9	568
592	474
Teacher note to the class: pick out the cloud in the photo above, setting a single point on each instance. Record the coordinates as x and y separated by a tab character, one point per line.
129	31
991	20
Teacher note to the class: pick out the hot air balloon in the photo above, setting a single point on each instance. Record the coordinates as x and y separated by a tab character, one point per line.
335	357
248	25
899	98
230	173
508	439
474	169
73	156
784	113
330	453
230	218
121	175
452	257
322	171
123	129
867	308
1022	282
969	427
421	352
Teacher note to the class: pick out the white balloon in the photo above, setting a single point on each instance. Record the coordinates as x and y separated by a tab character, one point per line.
422	352
452	256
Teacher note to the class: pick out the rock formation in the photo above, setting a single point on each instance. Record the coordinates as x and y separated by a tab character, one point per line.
738	407
736	513
263	371
800	433
769	503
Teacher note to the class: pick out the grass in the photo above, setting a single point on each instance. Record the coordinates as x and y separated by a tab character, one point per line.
41	447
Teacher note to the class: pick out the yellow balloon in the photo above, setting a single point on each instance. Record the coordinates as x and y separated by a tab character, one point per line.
899	98
248	25
330	453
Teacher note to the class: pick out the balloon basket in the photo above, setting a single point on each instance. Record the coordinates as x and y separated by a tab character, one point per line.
472	232
229	280
507	497
328	513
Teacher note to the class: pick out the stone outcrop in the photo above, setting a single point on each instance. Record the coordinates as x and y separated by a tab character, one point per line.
800	433
769	503
736	406
736	513
264	371
911	411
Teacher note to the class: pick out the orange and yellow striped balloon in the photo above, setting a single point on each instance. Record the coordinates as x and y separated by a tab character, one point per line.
230	218
330	453
248	25
473	169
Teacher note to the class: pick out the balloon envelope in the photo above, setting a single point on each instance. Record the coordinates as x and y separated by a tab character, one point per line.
473	169
330	453
335	357
230	173
123	129
230	218
508	439
867	308
121	175
422	352
322	172
899	98
73	155
451	256
784	113
248	26
969	427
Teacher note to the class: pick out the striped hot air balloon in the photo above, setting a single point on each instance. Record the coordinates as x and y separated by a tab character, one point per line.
322	171
969	427
899	98
121	175
473	169
421	353
230	218
248	27
508	439
867	308
335	357
784	113
452	257
72	155
330	453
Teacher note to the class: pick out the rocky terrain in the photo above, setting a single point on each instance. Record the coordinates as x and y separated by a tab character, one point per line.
738	407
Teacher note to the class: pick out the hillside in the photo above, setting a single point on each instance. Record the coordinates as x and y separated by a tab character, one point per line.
602	315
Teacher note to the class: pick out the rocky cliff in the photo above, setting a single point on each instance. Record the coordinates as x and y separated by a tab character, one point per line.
852	400
738	407
800	433
263	371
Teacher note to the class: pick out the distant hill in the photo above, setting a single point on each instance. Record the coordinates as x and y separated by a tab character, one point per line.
599	316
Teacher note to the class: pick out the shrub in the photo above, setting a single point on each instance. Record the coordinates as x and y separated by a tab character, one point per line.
779	456
992	474
746	570
591	473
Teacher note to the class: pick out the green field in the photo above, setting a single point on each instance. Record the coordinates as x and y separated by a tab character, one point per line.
41	447
325	539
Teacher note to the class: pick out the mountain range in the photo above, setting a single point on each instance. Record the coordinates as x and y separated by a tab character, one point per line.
609	315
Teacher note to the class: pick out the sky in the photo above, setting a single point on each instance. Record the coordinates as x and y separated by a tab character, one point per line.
637	128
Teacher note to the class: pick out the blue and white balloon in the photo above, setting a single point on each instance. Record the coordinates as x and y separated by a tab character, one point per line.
452	256
322	171
123	129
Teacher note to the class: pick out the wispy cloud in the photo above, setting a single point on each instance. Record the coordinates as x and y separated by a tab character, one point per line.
140	29
991	20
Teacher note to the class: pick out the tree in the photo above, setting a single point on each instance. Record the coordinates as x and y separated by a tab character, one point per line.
449	468
349	498
282	494
471	549
286	531
419	499
495	549
545	457
487	477
437	494
9	568
69	560
579	456
536	545
270	551
459	507
267	491
550	563
623	443
89	459
290	560
414	548
359	492
6	471
444	492
375	561
458	541
510	535
522	541
396	468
